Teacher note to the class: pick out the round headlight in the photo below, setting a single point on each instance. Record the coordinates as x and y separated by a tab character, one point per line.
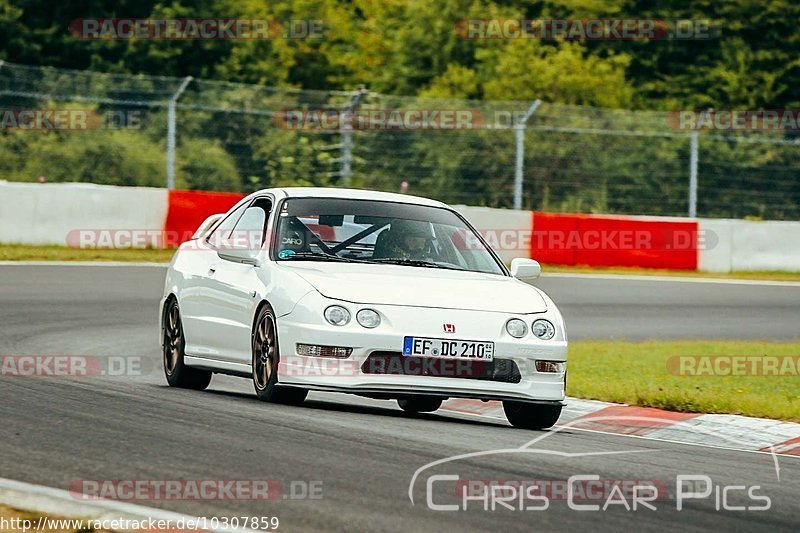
543	329
368	318
516	328
337	315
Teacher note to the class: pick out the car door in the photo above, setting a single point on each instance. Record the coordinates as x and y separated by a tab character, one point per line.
233	288
198	264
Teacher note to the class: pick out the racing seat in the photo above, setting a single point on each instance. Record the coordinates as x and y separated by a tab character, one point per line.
294	236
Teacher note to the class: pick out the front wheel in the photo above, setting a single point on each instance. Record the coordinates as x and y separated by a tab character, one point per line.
266	357
177	373
524	415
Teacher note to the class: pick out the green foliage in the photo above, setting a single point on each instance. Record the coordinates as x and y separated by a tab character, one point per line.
411	47
414	48
112	157
204	164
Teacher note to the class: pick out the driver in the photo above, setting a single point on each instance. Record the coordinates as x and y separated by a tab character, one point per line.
411	239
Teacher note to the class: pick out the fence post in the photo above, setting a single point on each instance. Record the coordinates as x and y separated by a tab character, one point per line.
693	149
171	104
346	129
694	160
519	132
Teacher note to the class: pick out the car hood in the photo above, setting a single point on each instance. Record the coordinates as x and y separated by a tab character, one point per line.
420	287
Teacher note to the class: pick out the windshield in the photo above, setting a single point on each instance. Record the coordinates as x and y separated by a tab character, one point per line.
332	229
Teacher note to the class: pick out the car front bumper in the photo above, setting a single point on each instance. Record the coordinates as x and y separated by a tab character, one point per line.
427	376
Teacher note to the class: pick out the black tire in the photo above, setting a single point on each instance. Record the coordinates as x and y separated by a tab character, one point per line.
266	358
174	344
420	404
524	415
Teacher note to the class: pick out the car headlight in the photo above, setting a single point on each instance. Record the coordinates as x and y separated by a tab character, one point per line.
516	328
337	315
543	329
368	318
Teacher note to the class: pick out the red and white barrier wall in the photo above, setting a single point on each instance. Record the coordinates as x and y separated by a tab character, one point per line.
709	245
78	214
739	245
606	241
188	209
53	213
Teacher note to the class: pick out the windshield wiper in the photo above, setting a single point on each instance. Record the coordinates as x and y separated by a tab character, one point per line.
412	262
316	256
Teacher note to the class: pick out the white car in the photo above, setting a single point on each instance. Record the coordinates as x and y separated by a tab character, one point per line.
383	295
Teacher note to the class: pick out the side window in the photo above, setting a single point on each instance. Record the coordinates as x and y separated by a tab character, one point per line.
223	231
251	228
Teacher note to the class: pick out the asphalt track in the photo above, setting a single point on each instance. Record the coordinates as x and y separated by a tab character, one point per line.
59	430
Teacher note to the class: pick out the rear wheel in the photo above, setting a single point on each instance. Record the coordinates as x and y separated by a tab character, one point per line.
266	357
419	404
531	415
177	373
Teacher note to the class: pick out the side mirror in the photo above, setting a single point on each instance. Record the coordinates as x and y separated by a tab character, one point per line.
526	270
247	255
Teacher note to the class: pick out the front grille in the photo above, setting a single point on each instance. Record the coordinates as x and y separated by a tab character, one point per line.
395	363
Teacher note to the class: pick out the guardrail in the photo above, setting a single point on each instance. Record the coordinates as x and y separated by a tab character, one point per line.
63	213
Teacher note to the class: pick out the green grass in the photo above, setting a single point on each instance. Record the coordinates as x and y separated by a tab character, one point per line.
636	373
18	252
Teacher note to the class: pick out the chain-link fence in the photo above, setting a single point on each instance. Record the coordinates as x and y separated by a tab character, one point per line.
65	125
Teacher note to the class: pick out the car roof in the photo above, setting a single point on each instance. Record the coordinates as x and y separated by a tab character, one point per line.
357	194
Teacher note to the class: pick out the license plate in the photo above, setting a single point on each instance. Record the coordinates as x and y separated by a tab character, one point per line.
456	349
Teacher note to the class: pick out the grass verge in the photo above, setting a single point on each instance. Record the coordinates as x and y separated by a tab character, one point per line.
18	252
636	373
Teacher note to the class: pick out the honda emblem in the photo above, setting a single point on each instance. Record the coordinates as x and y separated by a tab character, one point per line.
449	328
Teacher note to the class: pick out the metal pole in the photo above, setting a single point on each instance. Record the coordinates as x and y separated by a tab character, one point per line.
171	105
694	160
519	132
693	146
346	128
520	135
347	155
